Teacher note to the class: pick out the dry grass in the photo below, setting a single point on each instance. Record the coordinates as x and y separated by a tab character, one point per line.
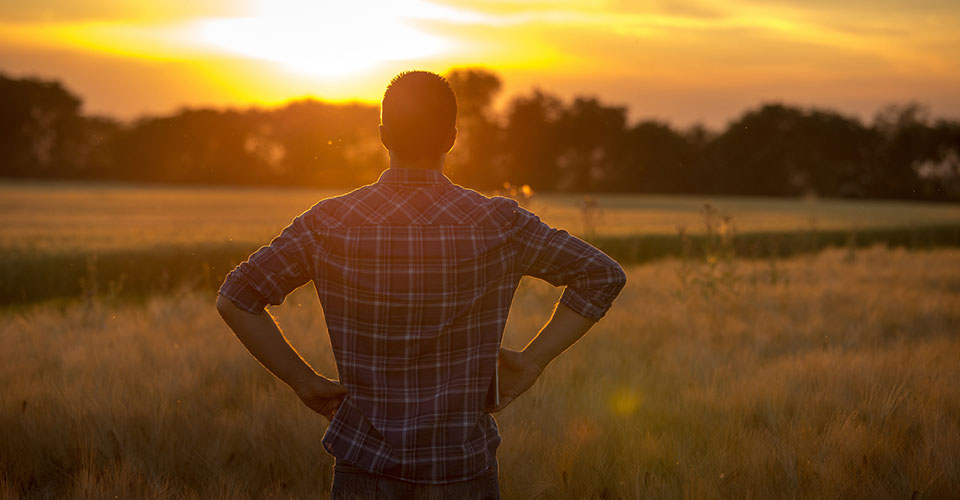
839	379
97	217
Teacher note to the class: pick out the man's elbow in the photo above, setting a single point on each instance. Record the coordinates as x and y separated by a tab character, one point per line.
614	279
621	276
618	278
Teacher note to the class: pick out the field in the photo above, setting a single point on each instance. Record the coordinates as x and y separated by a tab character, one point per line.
833	377
66	241
829	373
68	217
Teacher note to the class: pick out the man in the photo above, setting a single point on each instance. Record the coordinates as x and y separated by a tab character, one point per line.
415	276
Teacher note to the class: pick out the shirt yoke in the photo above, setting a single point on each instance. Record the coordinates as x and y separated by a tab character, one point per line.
392	204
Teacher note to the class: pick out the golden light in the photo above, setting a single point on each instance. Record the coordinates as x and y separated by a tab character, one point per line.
625	402
329	38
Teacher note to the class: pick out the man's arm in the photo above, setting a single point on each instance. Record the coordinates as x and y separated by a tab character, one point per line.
520	369
261	336
267	277
592	281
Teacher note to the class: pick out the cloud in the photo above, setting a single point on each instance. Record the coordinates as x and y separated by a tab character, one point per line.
679	8
630	51
867	6
34	11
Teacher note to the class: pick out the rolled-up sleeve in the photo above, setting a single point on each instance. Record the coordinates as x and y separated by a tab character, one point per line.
273	271
593	280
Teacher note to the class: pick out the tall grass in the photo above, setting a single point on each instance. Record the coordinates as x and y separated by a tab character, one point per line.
837	382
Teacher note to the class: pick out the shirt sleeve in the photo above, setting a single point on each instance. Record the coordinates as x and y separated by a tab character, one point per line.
591	277
273	271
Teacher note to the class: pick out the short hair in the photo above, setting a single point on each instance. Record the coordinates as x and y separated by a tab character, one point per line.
419	110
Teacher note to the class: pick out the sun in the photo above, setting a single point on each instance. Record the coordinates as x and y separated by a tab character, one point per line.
326	38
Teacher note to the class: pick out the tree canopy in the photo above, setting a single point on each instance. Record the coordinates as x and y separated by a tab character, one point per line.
538	139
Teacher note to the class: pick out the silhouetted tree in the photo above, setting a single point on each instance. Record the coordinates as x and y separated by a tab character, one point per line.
305	143
476	160
590	133
773	150
786	151
96	150
832	152
194	145
323	144
907	140
939	175
532	141
40	128
694	175
655	159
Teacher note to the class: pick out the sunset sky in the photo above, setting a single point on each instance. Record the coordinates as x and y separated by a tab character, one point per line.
672	60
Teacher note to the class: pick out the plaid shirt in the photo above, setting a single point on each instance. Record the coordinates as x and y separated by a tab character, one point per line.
415	276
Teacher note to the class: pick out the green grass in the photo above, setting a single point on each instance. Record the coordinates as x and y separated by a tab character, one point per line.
135	274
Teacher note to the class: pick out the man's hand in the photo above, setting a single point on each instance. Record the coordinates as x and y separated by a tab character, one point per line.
518	372
263	338
321	395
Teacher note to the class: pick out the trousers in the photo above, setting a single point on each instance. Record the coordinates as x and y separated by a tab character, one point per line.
352	483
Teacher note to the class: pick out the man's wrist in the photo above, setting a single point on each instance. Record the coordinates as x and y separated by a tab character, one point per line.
304	382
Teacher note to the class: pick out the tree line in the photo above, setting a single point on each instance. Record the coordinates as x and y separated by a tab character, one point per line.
538	139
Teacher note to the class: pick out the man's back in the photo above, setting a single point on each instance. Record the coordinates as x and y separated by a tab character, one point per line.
415	276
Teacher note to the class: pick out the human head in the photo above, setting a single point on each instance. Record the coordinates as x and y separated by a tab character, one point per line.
418	116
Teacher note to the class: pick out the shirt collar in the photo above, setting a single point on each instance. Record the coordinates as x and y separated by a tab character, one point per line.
399	175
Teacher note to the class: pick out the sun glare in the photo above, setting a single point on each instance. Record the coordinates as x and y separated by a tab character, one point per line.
326	38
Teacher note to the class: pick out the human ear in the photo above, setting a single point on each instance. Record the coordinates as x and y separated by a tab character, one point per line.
384	137
451	139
